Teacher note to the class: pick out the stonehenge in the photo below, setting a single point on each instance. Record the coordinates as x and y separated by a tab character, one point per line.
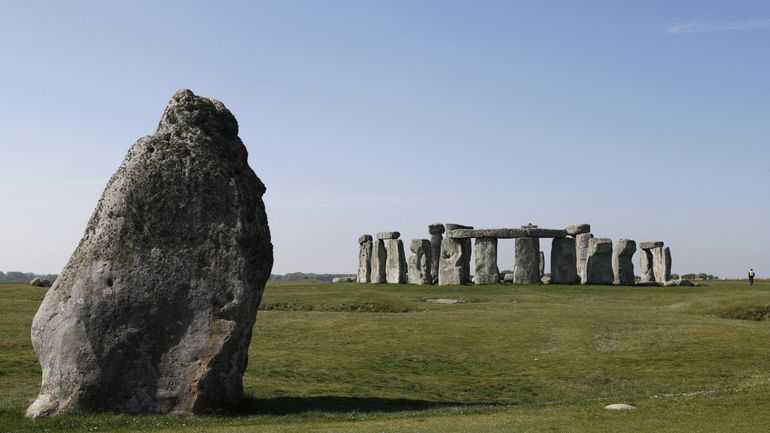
576	257
420	262
624	266
599	262
365	259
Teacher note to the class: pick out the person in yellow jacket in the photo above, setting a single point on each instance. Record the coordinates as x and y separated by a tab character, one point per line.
751	277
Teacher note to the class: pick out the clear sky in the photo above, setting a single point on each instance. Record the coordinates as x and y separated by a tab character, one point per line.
650	120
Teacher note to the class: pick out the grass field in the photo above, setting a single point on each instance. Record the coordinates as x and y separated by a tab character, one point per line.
365	358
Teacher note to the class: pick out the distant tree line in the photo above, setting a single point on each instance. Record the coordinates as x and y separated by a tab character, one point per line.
297	276
24	277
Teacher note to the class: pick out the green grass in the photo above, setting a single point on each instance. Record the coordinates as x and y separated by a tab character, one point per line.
366	358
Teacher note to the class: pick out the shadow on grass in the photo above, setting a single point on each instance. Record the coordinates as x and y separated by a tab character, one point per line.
334	404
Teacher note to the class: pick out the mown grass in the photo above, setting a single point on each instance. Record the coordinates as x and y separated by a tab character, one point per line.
359	358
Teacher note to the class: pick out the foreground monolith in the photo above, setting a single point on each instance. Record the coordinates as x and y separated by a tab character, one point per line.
420	262
154	311
564	261
599	263
365	247
623	266
450	265
486	261
526	267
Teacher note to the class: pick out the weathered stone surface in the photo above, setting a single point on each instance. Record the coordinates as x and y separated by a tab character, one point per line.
388	235
577	229
486	261
37	282
541	264
395	266
564	261
420	262
581	252
436	229
466	249
650	245
450	268
599	264
435	255
661	264
645	266
545	279
364	238
506	233
526	266
379	262
343	280
619	406
450	226
365	261
508	278
623	266
154	311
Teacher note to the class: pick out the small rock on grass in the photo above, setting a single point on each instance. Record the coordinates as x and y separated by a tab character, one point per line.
619	406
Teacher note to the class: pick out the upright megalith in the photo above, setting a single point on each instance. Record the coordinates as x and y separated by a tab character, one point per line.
379	261
436	231
154	311
563	261
450	265
395	261
526	265
624	264
661	264
466	251
486	261
541	264
365	259
646	260
420	262
582	242
599	263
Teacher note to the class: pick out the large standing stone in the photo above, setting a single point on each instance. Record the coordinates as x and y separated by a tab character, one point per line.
365	259
466	251
395	267
599	264
450	267
379	261
581	252
420	262
624	264
486	261
154	311
542	264
661	264
526	266
436	230
645	265
563	261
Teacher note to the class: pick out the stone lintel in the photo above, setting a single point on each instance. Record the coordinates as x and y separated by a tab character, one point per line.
650	245
506	233
388	235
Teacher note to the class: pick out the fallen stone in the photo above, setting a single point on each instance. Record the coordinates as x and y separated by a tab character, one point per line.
508	278
599	264
619	406
379	262
343	280
395	264
577	229
526	267
450	270
623	266
420	262
486	261
445	301
388	235
154	311
564	261
545	279
650	245
37	282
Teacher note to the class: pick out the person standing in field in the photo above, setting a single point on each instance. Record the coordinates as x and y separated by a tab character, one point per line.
751	277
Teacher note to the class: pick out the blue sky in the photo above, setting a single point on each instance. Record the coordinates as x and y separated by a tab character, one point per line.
648	120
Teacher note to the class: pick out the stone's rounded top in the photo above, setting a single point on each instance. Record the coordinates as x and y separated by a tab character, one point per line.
364	238
186	111
456	226
650	245
619	406
626	247
577	229
436	228
419	244
388	235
